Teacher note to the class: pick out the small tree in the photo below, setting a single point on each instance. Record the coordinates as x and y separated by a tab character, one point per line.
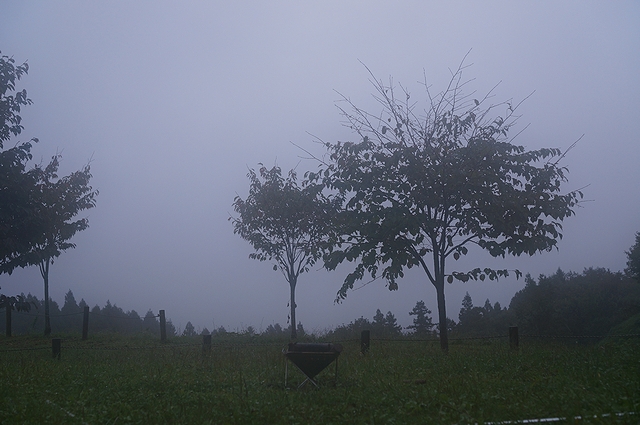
422	322
283	222
70	305
150	323
391	324
633	260
18	303
189	330
420	185
378	322
385	324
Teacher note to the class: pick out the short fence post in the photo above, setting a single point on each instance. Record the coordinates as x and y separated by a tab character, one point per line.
56	344
365	338
163	327
514	342
206	343
85	323
7	308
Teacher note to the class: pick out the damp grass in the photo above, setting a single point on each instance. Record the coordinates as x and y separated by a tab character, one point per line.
138	380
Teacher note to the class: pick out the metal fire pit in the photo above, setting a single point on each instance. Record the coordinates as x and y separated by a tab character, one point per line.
311	359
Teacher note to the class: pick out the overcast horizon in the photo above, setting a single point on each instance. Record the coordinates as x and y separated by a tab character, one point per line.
174	102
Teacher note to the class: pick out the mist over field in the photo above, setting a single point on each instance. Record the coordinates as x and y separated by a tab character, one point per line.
173	103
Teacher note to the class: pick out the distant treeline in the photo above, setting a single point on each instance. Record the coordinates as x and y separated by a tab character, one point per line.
591	303
68	319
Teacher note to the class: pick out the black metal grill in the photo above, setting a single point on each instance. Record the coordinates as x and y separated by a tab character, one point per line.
311	359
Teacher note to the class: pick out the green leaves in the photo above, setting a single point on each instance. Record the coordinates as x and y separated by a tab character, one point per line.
11	100
282	220
481	274
442	179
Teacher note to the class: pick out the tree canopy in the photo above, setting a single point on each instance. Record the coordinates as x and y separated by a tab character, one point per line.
38	208
285	222
418	186
633	259
20	225
572	304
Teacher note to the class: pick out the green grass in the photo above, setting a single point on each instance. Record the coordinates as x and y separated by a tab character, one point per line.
118	380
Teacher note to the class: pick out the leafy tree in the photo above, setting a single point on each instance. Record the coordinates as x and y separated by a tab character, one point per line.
422	322
284	222
37	209
19	220
60	201
633	260
11	100
419	186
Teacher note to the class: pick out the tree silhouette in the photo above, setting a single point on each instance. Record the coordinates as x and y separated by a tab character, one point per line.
422	322
60	200
189	330
20	226
37	209
420	185
284	222
633	260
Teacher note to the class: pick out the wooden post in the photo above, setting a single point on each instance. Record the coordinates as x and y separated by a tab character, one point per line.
7	316
56	345
514	342
206	343
163	327
85	323
365	338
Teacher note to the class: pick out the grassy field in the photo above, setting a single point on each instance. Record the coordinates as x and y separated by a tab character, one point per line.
117	380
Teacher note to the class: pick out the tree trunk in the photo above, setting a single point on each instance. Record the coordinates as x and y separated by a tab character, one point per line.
442	317
292	303
44	271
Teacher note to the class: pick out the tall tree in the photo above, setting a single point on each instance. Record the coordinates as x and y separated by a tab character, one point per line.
284	222
633	260
37	208
420	185
61	199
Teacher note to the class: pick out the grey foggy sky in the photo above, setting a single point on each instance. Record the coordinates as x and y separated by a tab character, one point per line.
175	100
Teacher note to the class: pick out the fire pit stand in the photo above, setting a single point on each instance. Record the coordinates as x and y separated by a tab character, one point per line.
311	359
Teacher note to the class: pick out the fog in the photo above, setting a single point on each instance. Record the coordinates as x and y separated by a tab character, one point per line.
173	103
